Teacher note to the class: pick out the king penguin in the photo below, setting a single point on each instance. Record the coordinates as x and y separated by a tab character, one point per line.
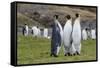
76	34
35	31
56	37
93	34
61	35
25	30
45	34
84	34
67	35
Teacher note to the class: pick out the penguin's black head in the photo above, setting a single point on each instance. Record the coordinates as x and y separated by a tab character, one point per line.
68	17
56	16
86	29
77	15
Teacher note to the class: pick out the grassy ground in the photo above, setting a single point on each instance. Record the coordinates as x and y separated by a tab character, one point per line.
37	50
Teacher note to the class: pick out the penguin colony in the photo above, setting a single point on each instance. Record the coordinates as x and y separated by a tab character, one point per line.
70	35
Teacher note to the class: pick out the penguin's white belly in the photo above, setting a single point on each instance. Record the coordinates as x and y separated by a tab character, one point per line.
35	31
45	33
67	34
39	32
26	28
76	35
84	35
93	34
61	31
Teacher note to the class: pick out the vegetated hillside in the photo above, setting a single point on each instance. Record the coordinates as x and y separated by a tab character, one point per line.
42	15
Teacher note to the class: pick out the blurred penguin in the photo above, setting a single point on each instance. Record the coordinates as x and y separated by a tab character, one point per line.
35	31
76	34
45	34
93	34
84	34
25	30
67	37
89	33
39	32
56	37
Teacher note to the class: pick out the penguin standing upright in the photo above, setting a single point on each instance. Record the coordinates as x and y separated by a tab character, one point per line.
25	30
61	34
35	31
56	37
84	34
93	34
89	33
45	33
67	35
39	32
76	34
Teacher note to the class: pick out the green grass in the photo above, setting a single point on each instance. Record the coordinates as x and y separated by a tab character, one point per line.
31	50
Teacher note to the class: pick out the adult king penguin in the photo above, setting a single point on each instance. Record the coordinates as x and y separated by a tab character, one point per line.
38	31
25	30
84	34
67	35
45	32
61	35
56	37
93	34
35	31
76	34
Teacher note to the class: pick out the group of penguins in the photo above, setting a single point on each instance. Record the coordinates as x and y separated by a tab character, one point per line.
35	31
87	33
70	35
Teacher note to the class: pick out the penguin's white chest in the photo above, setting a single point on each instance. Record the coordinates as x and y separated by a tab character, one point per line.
93	34
35	30
39	32
61	31
84	34
67	33
45	32
26	28
76	34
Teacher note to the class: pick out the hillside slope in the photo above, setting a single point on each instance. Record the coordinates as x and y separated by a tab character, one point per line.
42	15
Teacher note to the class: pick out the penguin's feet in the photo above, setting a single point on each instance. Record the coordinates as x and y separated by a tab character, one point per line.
54	55
67	54
74	54
77	53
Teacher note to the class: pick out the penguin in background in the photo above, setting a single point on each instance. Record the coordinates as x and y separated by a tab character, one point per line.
67	35
84	34
93	34
25	30
88	33
39	32
35	31
45	34
56	37
76	34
